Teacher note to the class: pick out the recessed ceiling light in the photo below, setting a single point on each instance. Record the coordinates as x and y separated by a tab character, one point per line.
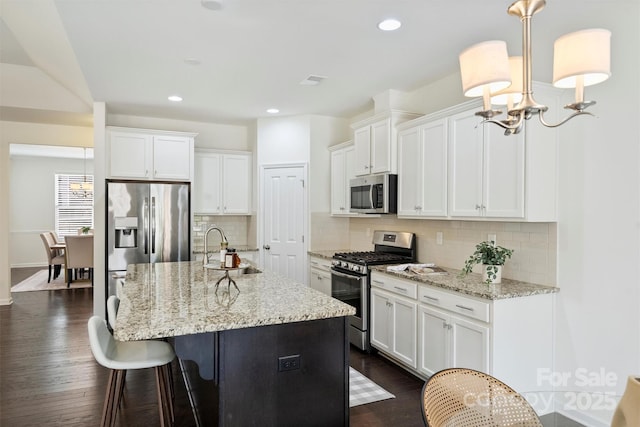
390	24
211	4
175	98
192	61
273	111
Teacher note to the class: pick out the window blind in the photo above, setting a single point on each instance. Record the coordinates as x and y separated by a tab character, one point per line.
74	209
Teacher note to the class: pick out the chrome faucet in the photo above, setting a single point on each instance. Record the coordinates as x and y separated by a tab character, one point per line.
223	243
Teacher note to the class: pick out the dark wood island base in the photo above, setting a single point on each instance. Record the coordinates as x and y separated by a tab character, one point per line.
292	374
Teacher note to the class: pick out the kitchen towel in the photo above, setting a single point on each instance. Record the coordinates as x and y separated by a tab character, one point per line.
403	267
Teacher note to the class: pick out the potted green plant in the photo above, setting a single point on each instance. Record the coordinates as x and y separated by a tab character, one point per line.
492	257
85	230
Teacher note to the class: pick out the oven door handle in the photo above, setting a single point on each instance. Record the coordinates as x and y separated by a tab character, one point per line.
346	276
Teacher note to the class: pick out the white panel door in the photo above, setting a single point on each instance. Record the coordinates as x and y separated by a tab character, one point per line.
469	345
465	167
503	173
410	168
405	316
434	164
172	157
381	147
283	218
338	183
433	340
206	183
381	320
236	184
130	155
362	146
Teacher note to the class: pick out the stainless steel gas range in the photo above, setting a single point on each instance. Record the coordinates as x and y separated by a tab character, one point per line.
350	276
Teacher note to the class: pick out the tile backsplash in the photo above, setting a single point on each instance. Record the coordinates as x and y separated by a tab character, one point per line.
234	227
534	244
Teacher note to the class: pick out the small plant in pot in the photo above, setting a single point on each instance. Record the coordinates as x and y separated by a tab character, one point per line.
492	257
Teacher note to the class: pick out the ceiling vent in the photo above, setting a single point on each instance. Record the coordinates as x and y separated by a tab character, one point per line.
312	80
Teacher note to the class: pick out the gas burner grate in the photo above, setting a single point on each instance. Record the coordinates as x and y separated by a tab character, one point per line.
371	257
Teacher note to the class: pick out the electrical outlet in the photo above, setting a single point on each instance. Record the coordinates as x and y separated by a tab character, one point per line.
288	363
492	238
439	237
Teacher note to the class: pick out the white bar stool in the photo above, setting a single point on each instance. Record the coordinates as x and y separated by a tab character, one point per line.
113	303
119	356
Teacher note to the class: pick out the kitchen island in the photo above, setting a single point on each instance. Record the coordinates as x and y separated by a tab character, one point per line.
273	353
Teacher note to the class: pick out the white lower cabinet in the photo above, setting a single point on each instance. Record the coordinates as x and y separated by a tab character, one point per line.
427	328
447	340
320	275
394	319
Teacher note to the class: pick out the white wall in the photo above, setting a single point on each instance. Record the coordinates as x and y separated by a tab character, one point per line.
32	204
598	310
282	140
210	135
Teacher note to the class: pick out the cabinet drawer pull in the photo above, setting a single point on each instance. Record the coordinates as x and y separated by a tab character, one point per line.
464	308
398	288
379	282
431	298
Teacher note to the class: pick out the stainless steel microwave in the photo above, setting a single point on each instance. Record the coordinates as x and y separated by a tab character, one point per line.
374	194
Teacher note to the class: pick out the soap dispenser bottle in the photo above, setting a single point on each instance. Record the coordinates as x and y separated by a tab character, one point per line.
223	253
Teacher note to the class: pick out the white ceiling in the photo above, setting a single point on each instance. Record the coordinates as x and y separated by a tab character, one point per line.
59	56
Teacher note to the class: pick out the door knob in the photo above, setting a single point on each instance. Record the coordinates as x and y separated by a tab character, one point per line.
266	247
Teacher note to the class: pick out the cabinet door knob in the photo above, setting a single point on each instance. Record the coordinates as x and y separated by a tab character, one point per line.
478	207
266	247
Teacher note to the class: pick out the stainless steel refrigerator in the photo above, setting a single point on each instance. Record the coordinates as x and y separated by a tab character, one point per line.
147	222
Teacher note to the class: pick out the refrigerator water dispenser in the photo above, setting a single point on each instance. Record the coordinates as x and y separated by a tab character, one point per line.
126	229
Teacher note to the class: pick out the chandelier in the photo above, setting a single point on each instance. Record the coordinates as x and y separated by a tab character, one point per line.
580	59
84	188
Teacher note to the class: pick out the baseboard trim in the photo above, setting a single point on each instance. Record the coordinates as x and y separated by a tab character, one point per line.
29	265
6	301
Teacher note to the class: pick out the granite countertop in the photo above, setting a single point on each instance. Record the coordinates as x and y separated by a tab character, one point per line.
326	253
179	298
472	284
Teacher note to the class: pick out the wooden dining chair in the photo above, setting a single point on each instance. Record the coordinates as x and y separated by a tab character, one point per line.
79	254
54	258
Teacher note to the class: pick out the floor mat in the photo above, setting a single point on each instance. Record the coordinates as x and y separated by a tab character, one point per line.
362	390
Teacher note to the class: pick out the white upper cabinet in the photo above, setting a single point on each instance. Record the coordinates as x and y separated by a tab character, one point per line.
342	170
451	165
375	143
486	169
362	143
207	196
149	155
222	183
422	170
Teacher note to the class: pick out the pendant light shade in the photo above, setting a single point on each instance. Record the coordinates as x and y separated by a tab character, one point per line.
582	55
512	94
581	59
484	65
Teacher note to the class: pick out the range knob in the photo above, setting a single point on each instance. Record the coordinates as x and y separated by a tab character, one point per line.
344	264
356	268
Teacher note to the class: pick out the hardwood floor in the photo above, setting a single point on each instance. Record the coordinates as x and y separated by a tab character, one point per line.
48	375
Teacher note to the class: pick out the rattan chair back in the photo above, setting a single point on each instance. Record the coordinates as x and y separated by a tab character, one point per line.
468	398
